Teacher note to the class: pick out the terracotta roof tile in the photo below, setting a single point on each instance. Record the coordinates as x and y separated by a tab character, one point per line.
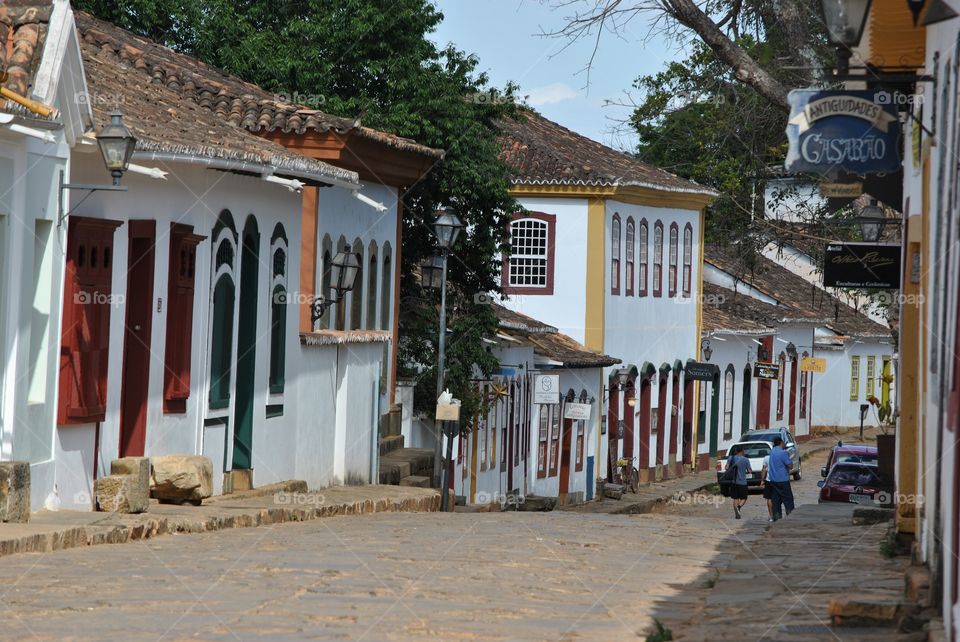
235	101
542	152
23	32
547	341
800	300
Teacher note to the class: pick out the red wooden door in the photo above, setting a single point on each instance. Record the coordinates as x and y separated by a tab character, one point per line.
565	457
136	338
674	415
511	432
645	395
763	391
613	429
629	420
661	416
688	422
793	392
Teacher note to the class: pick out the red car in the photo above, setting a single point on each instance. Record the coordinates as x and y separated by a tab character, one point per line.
851	453
851	482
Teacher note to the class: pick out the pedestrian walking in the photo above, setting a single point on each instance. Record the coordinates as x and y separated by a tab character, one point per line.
779	473
739	491
766	486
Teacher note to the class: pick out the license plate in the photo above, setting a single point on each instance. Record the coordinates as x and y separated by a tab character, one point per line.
859	499
753	475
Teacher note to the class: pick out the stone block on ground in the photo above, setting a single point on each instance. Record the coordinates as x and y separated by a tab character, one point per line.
120	494
418	481
139	468
869	515
533	503
180	479
14	491
917	585
613	491
859	612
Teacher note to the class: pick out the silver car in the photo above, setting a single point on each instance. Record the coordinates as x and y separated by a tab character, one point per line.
768	434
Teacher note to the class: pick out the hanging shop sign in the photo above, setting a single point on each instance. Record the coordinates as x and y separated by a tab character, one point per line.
841	190
546	389
696	371
852	131
578	411
862	265
766	370
813	364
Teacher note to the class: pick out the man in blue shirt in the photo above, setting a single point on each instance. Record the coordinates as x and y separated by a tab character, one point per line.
779	474
739	491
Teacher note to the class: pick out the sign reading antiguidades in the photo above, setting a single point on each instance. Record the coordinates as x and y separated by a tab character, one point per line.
833	131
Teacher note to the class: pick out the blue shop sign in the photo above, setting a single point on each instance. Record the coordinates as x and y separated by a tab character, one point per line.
850	131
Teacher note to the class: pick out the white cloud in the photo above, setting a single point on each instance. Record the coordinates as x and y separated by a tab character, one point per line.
557	92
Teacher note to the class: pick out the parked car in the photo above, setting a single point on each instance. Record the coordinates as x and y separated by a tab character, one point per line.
850	482
851	453
755	451
768	434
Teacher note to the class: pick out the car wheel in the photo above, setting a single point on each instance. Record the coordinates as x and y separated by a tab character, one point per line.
797	475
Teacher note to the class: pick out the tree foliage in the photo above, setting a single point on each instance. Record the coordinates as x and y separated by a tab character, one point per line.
353	58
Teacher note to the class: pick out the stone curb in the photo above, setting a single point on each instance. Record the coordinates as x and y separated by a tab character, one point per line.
146	526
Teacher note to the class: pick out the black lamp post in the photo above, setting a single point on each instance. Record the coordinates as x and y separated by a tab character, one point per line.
431	273
845	20
447	228
117	145
345	266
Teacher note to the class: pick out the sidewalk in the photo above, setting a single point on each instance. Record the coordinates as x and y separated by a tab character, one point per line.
274	504
649	497
782	581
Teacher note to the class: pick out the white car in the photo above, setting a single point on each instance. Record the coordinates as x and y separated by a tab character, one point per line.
768	434
755	451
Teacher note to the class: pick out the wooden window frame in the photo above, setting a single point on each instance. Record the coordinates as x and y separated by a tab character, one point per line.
871	375
615	229
555	427
687	259
855	378
781	380
674	260
551	221
181	292
658	259
630	242
729	394
543	427
643	238
279	300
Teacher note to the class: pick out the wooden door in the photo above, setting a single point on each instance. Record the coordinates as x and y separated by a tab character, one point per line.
136	338
565	457
247	347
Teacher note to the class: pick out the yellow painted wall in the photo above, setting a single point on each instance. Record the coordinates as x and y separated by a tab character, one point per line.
596	261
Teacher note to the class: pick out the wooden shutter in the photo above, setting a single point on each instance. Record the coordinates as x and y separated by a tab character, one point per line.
179	341
85	334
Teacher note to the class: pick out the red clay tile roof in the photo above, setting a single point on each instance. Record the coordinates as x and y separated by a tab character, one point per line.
726	311
802	301
23	32
548	342
233	100
171	122
541	152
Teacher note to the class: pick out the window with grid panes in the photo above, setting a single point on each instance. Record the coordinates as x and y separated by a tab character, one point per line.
529	253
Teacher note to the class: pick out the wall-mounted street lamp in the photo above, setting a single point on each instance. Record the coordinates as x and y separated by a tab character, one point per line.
706	349
116	144
431	273
345	266
792	351
845	20
872	219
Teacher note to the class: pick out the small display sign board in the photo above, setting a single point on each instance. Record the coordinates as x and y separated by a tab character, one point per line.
546	389
813	364
448	412
766	371
577	411
696	371
862	265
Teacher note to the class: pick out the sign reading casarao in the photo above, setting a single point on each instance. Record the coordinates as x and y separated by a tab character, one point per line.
852	131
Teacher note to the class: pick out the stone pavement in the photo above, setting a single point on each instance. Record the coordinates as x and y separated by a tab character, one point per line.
653	496
780	583
286	502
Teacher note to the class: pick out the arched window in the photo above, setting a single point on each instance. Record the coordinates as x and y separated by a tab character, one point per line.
278	309
644	256
340	307
745	401
672	270
657	258
781	376
803	389
225	241
356	295
326	270
386	290
630	237
372	288
687	258
728	392
615	255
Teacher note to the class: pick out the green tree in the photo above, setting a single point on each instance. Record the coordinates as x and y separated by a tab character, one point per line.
374	60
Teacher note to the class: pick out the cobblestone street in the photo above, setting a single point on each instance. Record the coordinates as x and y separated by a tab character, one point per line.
486	576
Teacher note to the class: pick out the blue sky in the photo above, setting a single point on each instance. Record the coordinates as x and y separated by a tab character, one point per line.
504	34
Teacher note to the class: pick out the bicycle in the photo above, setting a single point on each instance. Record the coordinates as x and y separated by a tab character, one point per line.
628	475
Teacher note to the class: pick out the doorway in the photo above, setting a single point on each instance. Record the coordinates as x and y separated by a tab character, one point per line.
246	346
136	336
